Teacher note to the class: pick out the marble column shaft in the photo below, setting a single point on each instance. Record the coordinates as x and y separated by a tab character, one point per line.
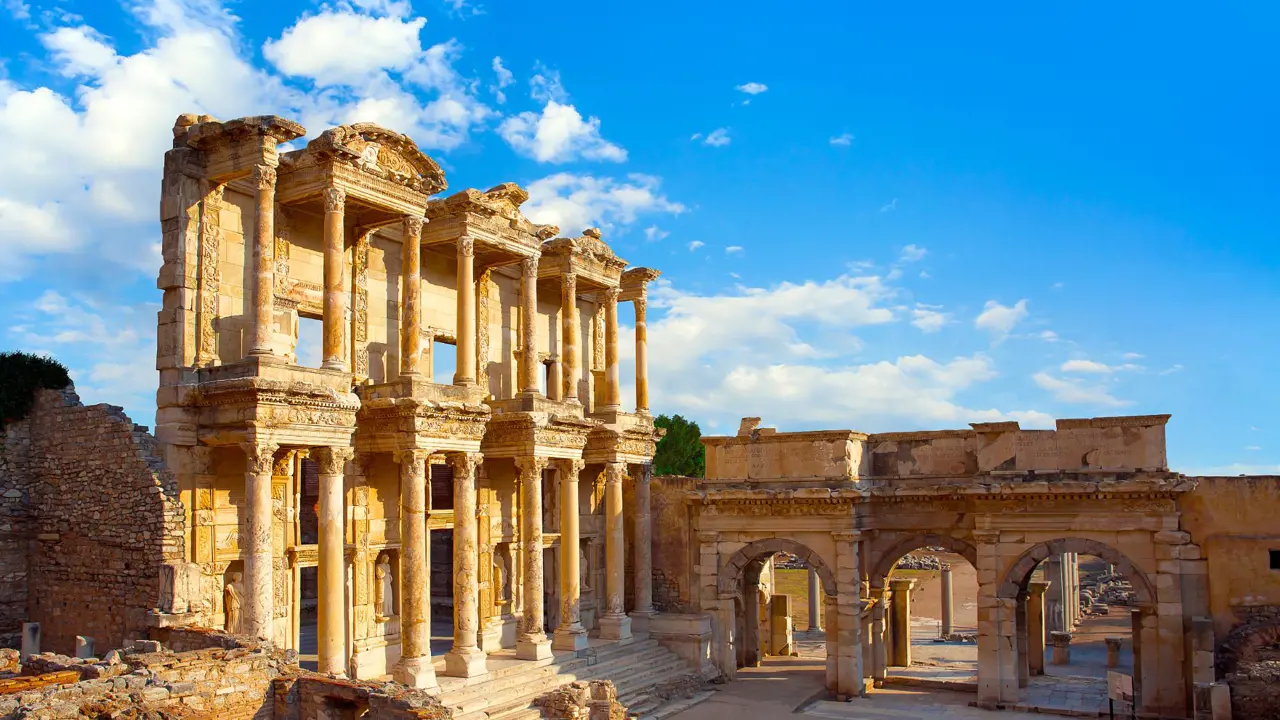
465	659
411	297
335	292
331	569
264	260
415	667
815	609
947	599
570	335
643	537
528	325
258	609
642	356
531	641
570	635
614	625
613	377
466	348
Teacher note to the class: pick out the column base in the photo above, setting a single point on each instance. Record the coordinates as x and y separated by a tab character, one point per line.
615	627
466	662
570	639
332	365
535	647
640	620
416	673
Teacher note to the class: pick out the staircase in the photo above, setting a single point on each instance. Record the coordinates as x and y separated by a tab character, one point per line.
636	666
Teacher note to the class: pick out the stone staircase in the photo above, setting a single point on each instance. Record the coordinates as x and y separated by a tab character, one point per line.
636	666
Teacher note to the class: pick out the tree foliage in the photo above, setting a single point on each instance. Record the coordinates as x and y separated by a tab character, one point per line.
681	451
21	374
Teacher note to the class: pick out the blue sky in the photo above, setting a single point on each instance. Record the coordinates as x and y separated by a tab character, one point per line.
879	217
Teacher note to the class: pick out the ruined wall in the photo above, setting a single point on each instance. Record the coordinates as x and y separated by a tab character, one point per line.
105	518
15	479
1233	521
673	544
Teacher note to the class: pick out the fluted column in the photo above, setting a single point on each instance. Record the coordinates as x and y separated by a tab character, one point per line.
529	325
264	260
335	290
614	625
613	378
642	357
643	550
414	668
465	659
331	570
570	334
255	546
570	635
411	297
531	641
466	363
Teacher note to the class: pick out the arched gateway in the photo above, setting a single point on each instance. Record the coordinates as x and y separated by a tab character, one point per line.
851	504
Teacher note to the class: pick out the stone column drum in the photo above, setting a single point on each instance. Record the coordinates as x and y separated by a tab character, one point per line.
262	311
466	659
466	372
531	641
411	297
1035	626
948	627
1113	651
643	550
570	635
900	615
414	668
815	592
1061	647
331	571
528	326
335	293
255	545
570	335
614	624
613	378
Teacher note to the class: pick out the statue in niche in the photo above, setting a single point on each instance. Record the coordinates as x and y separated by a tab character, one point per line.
384	602
500	579
232	598
584	570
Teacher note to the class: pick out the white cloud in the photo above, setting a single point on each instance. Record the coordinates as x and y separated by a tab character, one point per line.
653	233
579	201
558	134
695	245
928	318
463	8
717	138
1171	369
343	47
1049	336
753	88
545	85
1097	368
1076	392
18	9
1132	356
734	250
999	320
1252	448
890	207
912	253
503	78
842	140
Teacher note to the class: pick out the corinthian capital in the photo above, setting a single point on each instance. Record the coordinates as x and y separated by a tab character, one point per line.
570	281
531	468
611	294
641	306
465	464
332	460
413	225
529	266
264	177
466	246
335	199
260	456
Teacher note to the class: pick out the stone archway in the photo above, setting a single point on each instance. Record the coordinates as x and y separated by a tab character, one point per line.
889	558
731	575
1015	580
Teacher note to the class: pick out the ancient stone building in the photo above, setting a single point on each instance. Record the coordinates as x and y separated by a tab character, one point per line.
367	484
1201	553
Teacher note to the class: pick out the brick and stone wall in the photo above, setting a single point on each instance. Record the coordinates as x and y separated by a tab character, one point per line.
93	518
673	544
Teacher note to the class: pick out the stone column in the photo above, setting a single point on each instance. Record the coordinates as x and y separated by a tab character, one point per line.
1061	647
900	615
815	592
466	372
615	625
555	379
255	546
531	641
642	357
570	335
947	612
613	379
528	326
1113	650
335	291
264	261
879	645
411	296
331	572
643	550
570	635
414	668
1035	627
465	659
1054	607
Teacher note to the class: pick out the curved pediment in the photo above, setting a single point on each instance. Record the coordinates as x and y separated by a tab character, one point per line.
382	152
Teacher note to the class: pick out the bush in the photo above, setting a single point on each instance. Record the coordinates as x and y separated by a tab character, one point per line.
680	452
21	374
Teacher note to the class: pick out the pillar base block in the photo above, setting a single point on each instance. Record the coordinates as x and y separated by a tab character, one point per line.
640	620
536	647
466	663
416	673
570	639
615	627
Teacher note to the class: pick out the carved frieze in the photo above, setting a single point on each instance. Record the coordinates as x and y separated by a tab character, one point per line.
209	277
360	305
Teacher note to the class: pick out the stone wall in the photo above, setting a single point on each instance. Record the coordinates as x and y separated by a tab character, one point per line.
93	516
672	544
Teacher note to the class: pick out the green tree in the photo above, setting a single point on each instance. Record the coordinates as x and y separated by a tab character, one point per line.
21	374
680	452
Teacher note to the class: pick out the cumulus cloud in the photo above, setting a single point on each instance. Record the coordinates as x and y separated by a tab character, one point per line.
578	201
928	318
716	138
734	250
345	47
912	253
999	320
842	140
695	245
753	88
1076	392
559	133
